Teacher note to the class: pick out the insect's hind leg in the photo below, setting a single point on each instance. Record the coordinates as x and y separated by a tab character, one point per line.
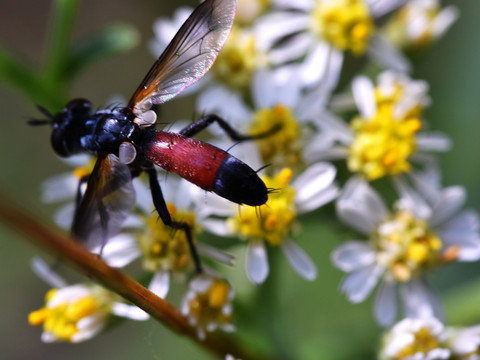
207	120
161	207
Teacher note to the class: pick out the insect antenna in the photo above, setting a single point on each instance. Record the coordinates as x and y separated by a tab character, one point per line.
47	121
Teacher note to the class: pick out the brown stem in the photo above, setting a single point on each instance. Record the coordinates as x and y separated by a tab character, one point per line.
58	244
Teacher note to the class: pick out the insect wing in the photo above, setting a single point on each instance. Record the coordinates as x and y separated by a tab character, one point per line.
188	56
108	200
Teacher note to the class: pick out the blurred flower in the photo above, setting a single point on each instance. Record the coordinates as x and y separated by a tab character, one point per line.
417	236
386	136
415	339
325	29
208	304
249	10
79	312
464	342
235	65
275	222
419	23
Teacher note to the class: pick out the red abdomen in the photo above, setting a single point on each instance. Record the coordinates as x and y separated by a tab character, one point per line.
193	160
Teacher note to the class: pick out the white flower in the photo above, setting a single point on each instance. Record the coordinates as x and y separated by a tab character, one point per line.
386	136
275	222
240	58
208	304
464	342
419	235
415	339
75	313
321	30
419	23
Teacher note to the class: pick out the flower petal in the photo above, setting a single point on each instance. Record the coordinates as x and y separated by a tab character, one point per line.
420	301
385	308
299	260
257	262
447	204
360	206
353	255
364	94
359	284
160	284
129	311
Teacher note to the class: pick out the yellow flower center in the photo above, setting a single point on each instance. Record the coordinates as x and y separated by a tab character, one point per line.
163	247
207	307
424	342
383	143
61	320
238	59
83	171
346	24
273	221
406	245
284	147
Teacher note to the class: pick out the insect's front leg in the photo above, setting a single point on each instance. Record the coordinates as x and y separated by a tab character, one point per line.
207	120
161	207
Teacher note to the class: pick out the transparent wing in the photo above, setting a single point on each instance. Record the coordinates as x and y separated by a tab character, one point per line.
108	200
189	55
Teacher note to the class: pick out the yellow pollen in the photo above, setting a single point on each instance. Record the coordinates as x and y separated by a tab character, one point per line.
407	246
382	144
164	248
424	342
282	148
238	59
272	222
207	307
346	24
83	171
218	294
61	319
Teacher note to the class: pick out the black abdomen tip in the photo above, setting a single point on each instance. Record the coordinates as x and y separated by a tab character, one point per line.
238	182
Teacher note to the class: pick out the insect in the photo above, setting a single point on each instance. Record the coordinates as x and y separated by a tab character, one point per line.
127	143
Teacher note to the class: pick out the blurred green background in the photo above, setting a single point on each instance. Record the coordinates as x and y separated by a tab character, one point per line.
308	320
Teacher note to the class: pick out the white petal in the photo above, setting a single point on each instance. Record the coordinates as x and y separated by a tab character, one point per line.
257	262
299	260
129	311
359	284
444	20
386	55
420	301
120	250
380	8
353	255
274	26
160	284
214	253
433	141
59	188
223	102
364	94
46	273
360	206
385	308
447	204
313	184
411	199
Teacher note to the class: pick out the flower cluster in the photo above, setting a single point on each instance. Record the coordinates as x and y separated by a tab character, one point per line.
280	69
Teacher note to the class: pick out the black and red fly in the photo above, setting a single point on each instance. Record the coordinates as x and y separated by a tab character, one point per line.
126	142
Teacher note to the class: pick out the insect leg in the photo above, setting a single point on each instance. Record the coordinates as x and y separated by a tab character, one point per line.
161	207
207	120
